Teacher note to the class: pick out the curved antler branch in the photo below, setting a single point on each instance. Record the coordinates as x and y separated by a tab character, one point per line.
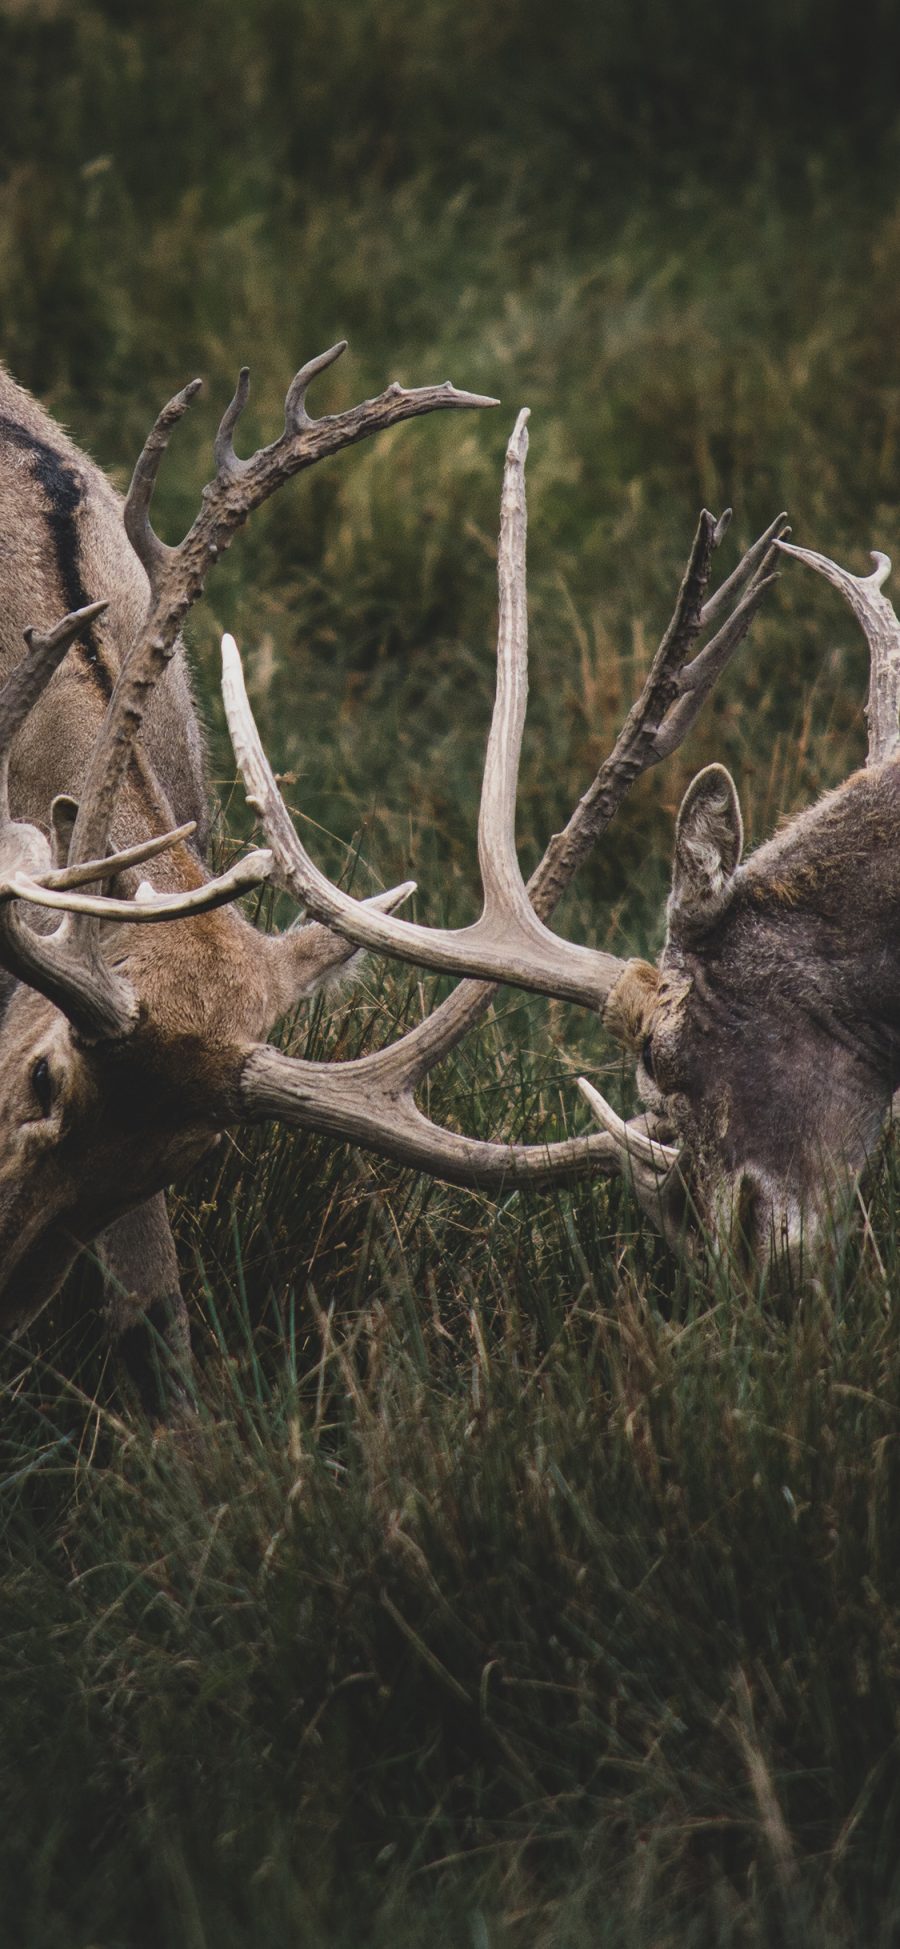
153	553
177	574
509	942
113	863
100	1003
296	417
227	462
253	871
383	1082
875	615
29	679
629	1137
501	878
350	1101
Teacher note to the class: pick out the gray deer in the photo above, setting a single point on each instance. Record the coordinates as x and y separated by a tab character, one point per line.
136	1030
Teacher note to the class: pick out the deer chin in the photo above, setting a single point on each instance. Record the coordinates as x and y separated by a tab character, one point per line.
33	1273
40	1237
757	1228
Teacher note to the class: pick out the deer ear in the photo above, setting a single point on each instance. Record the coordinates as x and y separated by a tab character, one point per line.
709	837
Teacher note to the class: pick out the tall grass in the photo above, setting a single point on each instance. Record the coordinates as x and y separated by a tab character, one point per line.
513	1587
506	1586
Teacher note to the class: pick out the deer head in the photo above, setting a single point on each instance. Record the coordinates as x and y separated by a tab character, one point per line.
137	1033
769	1048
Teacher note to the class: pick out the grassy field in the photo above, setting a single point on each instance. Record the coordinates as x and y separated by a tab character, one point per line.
507	1586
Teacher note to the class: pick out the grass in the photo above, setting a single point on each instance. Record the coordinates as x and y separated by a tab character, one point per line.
508	1586
522	1588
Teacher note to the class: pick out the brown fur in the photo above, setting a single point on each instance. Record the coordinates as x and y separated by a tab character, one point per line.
126	1117
62	544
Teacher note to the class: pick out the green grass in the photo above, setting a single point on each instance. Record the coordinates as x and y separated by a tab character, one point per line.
509	1586
514	1584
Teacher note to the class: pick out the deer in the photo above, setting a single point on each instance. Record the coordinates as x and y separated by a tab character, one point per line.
136	1030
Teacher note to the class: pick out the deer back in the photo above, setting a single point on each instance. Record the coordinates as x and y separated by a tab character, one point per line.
62	546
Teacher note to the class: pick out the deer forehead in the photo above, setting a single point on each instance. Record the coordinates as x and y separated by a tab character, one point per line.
213	981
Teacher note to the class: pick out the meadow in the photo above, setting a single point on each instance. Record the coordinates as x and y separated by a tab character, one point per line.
506	1585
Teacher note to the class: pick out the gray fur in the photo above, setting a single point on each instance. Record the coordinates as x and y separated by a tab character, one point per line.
773	1041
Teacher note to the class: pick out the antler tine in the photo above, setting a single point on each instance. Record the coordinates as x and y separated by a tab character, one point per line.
501	878
875	614
226	459
751	562
357	1103
509	942
153	553
296	417
177	574
247	873
30	678
660	1157
383	1082
99	1003
705	669
104	869
687	620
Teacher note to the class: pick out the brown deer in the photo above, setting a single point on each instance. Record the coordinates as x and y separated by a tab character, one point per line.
136	1031
62	534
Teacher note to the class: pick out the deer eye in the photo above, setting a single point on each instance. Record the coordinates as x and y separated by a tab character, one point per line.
42	1085
647	1059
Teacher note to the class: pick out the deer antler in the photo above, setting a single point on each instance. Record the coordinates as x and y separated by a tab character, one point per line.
177	575
371	1100
875	614
510	942
97	1000
69	966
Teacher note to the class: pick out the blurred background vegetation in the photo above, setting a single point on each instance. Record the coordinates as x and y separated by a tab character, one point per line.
674	233
510	1588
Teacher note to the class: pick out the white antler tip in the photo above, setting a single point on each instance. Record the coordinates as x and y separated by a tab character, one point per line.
842	578
603	1111
392	898
231	655
518	442
635	1142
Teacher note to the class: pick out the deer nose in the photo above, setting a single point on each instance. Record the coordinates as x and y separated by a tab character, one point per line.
739	1221
767	1225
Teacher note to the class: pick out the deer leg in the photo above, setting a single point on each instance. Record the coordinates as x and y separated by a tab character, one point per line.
147	1316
